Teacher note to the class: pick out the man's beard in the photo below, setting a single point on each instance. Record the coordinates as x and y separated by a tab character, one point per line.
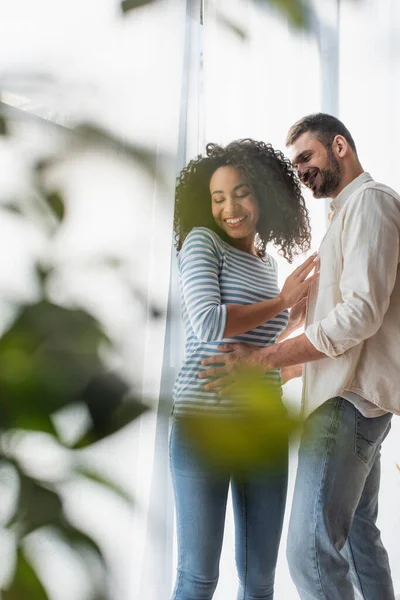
330	178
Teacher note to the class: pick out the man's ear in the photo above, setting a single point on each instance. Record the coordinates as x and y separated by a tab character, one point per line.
340	146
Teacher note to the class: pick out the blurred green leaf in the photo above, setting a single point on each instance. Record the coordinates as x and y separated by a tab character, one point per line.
233	27
12	207
3	126
108	410
47	357
26	584
42	274
66	328
33	420
92	135
37	506
56	203
296	11
254	434
104	482
79	540
154	311
103	397
127	5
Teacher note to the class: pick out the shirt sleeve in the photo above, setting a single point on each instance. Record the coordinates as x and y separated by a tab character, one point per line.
370	247
199	266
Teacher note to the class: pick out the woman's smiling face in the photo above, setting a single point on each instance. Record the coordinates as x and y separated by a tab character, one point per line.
233	205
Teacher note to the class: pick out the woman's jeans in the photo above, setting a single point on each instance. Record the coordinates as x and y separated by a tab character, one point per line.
201	491
334	545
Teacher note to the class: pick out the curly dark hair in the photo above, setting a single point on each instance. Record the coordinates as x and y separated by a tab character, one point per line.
283	217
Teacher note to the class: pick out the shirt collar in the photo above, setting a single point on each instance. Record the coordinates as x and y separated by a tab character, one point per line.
337	203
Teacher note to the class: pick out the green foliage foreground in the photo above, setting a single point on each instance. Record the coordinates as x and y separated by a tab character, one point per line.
50	362
255	434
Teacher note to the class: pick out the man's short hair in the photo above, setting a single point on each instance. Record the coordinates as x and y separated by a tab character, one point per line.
324	127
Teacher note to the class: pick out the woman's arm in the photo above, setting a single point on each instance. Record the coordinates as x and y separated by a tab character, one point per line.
245	317
213	321
241	319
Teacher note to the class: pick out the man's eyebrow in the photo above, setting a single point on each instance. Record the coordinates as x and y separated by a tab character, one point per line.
300	157
237	187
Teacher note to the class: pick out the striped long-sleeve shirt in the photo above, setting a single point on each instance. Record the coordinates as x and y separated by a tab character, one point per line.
213	274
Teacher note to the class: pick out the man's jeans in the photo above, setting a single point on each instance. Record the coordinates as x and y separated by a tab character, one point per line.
201	492
334	546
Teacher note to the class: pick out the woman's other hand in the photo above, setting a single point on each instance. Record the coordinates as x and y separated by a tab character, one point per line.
297	315
298	283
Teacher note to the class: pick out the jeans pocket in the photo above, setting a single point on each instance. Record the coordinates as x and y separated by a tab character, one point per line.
370	434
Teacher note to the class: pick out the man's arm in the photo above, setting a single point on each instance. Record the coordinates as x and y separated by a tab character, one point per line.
288	373
370	246
370	242
291	352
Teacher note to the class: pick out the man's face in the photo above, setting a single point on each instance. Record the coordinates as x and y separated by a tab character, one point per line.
317	167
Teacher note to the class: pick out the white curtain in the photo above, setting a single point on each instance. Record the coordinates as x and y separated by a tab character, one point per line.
369	100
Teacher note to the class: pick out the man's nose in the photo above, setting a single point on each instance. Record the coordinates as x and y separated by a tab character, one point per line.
303	174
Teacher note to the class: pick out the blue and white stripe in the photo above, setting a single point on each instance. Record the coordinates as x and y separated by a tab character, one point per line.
213	274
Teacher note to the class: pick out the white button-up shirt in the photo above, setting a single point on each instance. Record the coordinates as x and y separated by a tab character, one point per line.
353	311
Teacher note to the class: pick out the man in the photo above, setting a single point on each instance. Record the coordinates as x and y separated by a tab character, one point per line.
351	348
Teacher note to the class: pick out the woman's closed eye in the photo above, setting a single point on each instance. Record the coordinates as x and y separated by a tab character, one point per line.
219	199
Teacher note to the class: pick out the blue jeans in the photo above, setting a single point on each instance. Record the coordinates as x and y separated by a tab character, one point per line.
201	491
334	545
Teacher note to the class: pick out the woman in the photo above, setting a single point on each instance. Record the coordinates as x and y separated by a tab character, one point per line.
229	205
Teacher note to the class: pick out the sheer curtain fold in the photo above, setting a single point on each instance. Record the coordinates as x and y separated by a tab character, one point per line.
369	97
157	570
